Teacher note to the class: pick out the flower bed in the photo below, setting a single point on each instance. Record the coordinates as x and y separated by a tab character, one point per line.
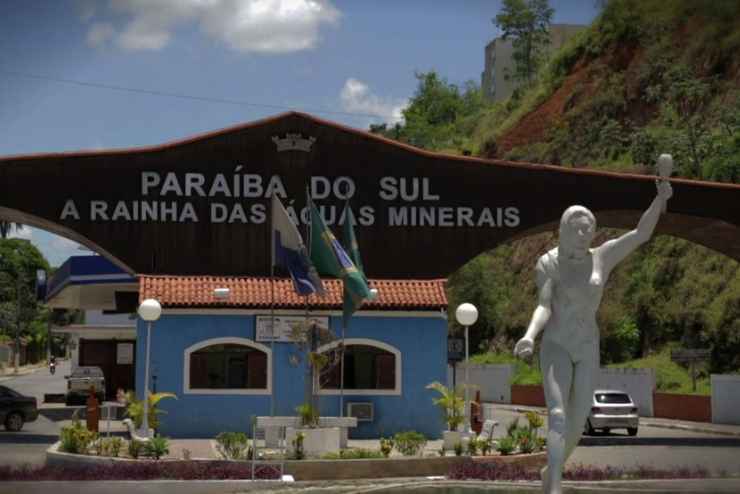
476	470
140	470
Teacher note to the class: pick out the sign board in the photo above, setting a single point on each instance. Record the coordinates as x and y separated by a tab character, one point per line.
455	349
688	354
125	353
283	327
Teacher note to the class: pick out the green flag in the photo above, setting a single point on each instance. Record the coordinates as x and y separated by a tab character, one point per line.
331	259
349	239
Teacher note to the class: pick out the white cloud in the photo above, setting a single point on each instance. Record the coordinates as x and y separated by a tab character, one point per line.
357	97
100	33
25	233
258	26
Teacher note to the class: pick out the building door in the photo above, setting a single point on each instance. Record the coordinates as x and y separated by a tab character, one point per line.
116	358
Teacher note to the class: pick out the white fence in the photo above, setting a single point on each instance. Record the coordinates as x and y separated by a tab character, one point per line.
725	399
639	383
493	380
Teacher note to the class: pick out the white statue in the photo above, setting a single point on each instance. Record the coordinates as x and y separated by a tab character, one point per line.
570	282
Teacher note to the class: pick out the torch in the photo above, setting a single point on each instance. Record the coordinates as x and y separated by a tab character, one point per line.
665	168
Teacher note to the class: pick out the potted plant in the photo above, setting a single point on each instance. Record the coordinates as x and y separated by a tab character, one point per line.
452	403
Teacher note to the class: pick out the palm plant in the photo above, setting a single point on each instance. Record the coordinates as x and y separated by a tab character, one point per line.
452	403
135	408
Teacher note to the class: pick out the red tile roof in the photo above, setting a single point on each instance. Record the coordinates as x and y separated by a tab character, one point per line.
197	291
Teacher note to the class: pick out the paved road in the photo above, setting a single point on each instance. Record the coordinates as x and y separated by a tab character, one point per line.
659	447
653	446
29	445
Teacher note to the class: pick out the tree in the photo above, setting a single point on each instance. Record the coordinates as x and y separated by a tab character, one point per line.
433	116
527	23
20	314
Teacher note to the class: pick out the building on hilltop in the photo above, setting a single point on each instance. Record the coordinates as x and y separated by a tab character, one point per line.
496	84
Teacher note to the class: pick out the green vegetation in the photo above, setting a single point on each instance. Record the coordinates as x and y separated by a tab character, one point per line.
527	24
75	438
409	443
452	403
353	454
671	377
135	408
157	447
233	446
647	77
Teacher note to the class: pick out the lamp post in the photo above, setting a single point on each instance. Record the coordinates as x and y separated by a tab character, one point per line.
466	314
149	310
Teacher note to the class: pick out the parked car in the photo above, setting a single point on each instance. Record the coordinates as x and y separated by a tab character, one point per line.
612	409
79	383
16	409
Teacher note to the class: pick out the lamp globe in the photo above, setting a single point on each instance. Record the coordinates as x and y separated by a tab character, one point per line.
150	310
466	314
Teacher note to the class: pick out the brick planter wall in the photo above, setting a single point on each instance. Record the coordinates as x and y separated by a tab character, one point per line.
683	407
530	395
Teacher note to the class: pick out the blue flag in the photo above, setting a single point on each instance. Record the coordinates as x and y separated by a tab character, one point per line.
289	252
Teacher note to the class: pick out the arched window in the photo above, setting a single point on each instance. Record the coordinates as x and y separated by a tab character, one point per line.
370	368
227	366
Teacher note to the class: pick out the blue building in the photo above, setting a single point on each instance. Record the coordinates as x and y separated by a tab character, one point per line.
225	365
219	357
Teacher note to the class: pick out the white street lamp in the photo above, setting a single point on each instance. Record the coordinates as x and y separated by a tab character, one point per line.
149	310
466	314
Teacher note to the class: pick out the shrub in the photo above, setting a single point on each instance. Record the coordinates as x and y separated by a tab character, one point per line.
386	446
506	445
527	441
116	443
485	446
233	445
76	438
298	446
135	408
353	454
535	419
473	446
458	448
134	448
410	443
157	447
308	414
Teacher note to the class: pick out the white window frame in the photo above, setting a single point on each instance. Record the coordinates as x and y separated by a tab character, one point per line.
223	341
396	391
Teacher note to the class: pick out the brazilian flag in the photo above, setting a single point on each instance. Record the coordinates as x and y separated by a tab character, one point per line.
330	258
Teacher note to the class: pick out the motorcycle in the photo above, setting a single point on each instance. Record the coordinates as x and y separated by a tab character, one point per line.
52	367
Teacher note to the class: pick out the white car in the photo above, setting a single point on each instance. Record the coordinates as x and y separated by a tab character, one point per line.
612	409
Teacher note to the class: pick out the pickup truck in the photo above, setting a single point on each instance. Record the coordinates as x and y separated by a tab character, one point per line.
79	383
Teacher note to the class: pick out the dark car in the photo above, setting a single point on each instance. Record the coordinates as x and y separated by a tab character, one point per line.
16	409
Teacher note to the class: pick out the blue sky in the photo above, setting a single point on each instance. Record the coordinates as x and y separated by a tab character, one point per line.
350	61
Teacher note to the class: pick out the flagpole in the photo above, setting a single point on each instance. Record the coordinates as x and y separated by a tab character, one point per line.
341	374
272	309
308	326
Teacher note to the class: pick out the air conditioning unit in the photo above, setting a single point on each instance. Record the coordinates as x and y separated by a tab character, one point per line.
364	412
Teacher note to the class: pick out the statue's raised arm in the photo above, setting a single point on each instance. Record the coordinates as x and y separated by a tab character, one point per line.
613	251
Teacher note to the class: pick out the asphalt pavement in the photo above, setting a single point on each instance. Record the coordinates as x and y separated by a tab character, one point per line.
660	443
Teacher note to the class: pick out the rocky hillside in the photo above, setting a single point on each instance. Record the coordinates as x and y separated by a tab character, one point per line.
649	76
